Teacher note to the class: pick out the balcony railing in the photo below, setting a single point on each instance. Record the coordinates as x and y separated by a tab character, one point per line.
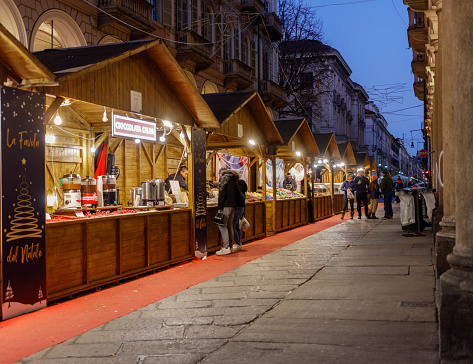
135	13
272	93
192	46
237	74
274	26
254	7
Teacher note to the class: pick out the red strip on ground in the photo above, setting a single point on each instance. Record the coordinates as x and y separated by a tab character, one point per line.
24	335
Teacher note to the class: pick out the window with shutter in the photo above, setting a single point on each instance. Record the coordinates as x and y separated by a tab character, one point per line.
182	15
244	51
167	12
194	15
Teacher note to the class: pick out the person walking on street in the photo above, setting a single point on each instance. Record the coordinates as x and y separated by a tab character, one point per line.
387	189
374	196
289	183
349	187
362	185
398	186
242	187
227	193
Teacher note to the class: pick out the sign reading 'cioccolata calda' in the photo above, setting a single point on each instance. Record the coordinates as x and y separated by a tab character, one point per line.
23	202
133	128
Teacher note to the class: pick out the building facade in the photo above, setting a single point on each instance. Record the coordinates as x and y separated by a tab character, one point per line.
222	46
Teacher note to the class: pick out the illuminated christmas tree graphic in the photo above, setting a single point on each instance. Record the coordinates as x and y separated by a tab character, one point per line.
40	294
9	294
24	224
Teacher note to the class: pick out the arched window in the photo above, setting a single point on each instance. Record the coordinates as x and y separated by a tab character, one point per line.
56	29
209	88
11	19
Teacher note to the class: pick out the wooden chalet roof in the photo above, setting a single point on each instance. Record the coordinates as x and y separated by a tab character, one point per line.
362	160
74	66
229	107
346	152
24	67
327	145
291	127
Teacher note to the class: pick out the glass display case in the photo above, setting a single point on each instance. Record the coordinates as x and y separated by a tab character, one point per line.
321	189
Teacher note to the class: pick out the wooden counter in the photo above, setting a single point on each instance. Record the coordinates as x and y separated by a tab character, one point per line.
254	213
290	213
322	207
82	254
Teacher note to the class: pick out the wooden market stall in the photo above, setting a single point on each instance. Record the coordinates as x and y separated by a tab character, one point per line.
246	131
348	160
140	80
362	162
324	205
299	147
374	166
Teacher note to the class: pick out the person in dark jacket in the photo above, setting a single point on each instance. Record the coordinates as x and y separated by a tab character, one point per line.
398	186
289	183
242	187
387	189
362	185
180	176
348	185
227	202
374	196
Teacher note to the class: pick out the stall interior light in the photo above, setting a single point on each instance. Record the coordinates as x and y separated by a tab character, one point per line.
181	135
92	149
325	160
167	124
162	138
315	165
137	141
104	117
298	154
342	164
320	161
252	142
57	120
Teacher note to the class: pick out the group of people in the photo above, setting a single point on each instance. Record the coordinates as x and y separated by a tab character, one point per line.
231	202
361	187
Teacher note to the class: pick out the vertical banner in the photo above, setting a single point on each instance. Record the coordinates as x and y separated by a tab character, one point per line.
23	202
200	193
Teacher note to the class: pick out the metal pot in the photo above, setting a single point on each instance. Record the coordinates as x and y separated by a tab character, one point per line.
89	192
71	186
159	188
109	182
71	181
148	193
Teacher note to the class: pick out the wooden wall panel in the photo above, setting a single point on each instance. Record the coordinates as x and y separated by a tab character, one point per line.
159	238
102	251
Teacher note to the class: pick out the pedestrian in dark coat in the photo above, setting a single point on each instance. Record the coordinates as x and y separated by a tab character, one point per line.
387	189
362	185
374	196
242	187
227	201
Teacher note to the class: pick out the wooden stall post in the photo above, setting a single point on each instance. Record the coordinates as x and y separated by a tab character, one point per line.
332	196
273	162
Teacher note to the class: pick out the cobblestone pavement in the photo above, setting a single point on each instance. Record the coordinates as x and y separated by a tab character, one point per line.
358	292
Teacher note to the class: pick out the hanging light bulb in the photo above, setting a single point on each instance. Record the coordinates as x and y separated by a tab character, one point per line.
252	142
162	138
57	120
298	154
320	161
137	141
92	150
325	160
104	118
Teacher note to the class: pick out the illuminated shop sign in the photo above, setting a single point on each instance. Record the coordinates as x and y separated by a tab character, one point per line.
124	126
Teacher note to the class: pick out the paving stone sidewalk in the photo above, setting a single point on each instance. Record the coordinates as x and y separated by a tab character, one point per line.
358	292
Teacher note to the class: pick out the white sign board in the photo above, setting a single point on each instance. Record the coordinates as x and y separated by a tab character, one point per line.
176	190
240	131
136	103
133	128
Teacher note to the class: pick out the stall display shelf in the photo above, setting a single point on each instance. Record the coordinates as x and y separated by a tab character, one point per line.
87	253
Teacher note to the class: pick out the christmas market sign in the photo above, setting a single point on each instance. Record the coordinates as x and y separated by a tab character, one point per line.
124	126
23	202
